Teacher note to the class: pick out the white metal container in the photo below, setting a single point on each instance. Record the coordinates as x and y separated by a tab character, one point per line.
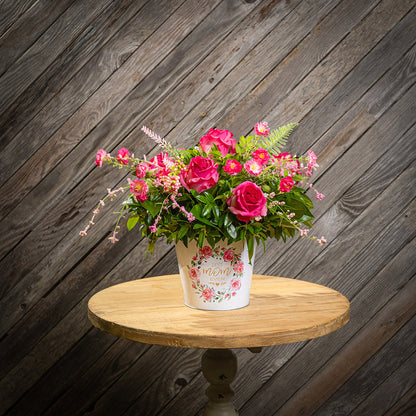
216	278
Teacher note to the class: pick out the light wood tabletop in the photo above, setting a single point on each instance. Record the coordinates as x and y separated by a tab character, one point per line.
281	311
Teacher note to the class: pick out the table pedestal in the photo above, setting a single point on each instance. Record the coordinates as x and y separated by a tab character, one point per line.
219	368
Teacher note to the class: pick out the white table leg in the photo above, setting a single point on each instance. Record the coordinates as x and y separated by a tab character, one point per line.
219	368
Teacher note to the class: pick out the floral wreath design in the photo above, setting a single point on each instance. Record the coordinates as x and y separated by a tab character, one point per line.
206	292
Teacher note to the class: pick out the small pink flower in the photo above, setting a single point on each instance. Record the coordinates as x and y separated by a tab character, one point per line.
261	155
319	195
123	156
312	160
205	252
208	294
235	283
141	170
228	255
253	167
284	156
194	273
234	293
262	128
102	155
232	167
303	233
286	184
239	267
162	160
113	238
321	241
139	189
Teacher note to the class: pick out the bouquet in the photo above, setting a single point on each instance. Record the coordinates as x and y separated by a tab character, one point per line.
221	189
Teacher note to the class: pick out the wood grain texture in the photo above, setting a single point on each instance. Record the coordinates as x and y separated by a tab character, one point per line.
152	311
76	76
10	11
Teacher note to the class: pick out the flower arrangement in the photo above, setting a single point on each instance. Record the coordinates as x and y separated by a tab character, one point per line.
221	189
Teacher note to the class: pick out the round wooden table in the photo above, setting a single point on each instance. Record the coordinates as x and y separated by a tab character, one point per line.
281	311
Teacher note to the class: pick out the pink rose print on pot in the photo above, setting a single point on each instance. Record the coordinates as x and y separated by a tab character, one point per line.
235	284
247	202
205	252
228	255
239	267
200	175
194	273
223	140
207	294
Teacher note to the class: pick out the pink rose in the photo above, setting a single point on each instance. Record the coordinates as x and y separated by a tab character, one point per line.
101	156
262	128
205	252
232	167
253	167
261	155
223	140
200	175
228	255
141	170
239	267
286	184
208	294
123	156
235	283
247	202
194	273
139	189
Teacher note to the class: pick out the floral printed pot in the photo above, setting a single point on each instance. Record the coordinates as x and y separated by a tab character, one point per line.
216	278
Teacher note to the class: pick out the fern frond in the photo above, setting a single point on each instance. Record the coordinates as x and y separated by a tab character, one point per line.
277	138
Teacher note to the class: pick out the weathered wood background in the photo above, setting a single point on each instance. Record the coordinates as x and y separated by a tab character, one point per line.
76	76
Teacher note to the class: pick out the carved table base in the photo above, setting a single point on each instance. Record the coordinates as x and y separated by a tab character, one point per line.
219	368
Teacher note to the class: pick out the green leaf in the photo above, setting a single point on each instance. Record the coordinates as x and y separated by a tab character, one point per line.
196	210
216	212
250	244
227	220
201	239
152	207
132	221
211	240
277	138
151	247
206	210
183	231
202	198
231	231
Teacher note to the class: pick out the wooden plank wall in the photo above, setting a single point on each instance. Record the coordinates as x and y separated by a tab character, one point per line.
79	75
